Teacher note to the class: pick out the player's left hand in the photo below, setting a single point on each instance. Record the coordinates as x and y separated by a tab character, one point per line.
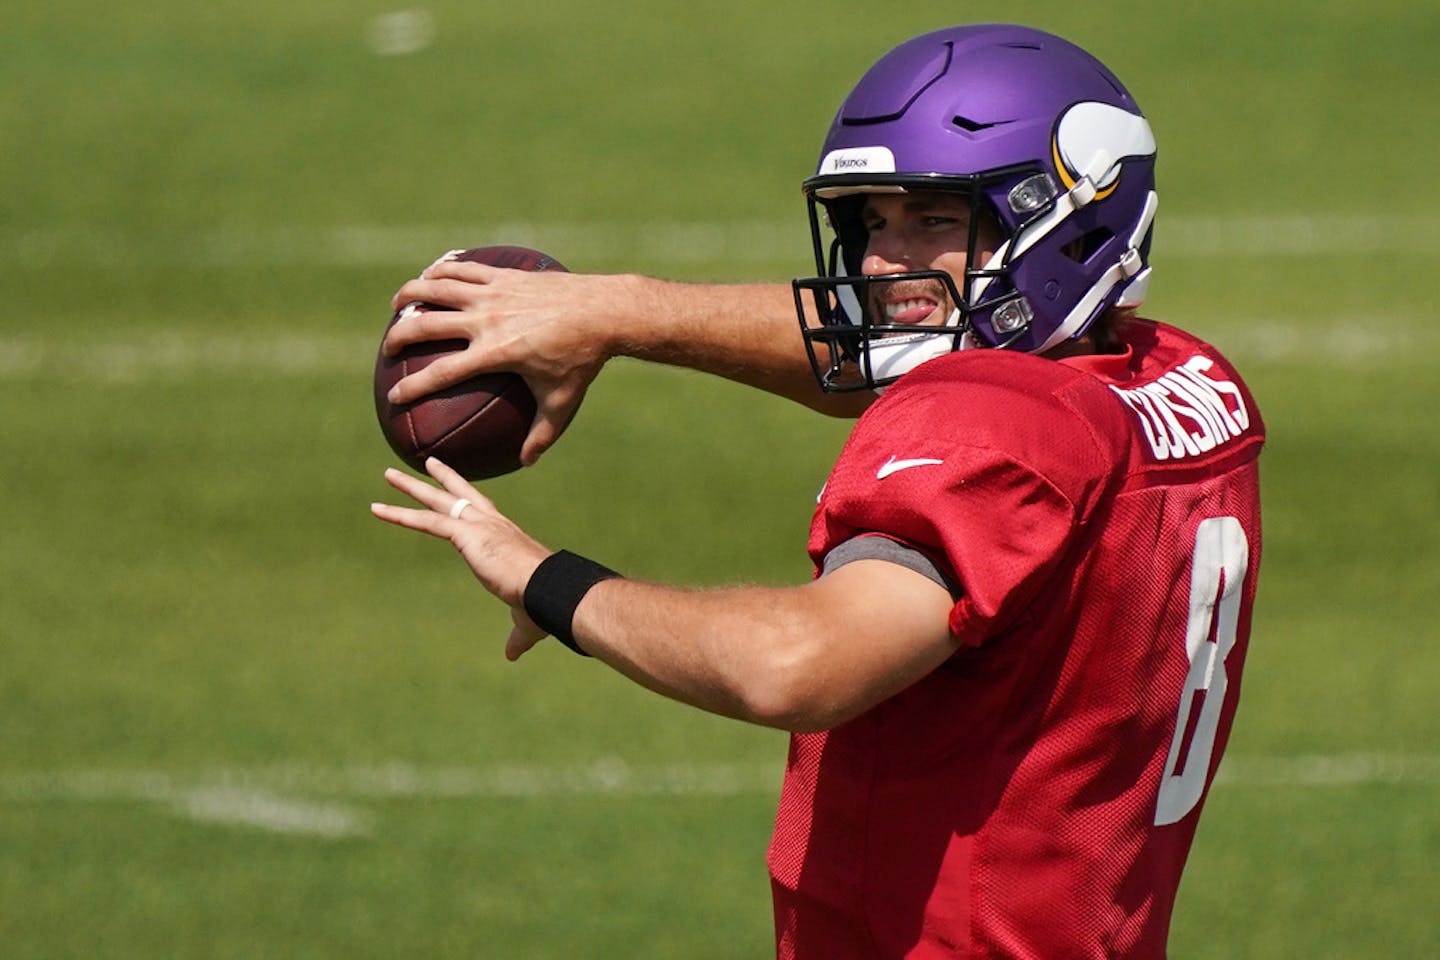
500	554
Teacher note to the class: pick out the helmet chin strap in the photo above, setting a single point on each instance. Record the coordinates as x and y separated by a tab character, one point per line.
896	355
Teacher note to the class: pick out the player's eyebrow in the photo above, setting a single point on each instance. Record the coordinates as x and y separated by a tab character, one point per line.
925	203
920	202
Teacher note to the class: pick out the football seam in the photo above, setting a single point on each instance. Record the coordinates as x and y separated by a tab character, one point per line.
410	411
495	398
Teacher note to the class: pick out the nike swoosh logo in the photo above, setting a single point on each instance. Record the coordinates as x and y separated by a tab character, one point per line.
895	466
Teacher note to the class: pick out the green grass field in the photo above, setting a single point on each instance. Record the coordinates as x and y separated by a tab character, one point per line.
239	718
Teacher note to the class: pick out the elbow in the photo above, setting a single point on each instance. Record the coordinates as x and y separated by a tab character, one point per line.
793	691
801	715
815	721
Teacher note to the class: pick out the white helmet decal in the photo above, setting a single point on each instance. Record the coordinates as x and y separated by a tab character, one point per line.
1092	138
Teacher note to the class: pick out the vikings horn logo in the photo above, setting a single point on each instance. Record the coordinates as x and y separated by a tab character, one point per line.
1091	139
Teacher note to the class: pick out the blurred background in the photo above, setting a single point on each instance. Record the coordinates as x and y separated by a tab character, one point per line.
240	718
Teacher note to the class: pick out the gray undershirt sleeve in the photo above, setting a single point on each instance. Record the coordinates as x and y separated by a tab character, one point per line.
874	547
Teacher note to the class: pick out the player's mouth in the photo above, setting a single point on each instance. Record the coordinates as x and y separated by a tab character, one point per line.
911	311
909	302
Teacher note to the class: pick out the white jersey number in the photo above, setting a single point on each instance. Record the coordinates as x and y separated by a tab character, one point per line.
1222	555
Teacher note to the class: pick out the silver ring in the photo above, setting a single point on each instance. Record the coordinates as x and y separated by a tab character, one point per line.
458	507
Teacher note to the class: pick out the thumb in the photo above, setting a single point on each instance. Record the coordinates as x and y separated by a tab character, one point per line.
552	416
523	636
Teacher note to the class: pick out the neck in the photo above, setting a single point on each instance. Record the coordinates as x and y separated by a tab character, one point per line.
1079	347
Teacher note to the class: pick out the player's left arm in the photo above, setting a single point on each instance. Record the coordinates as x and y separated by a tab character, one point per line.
797	658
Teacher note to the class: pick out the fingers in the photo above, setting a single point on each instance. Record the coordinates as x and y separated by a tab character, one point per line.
552	416
436	519
523	635
439	500
454	484
425	521
471	271
448	284
424	493
425	325
542	437
442	372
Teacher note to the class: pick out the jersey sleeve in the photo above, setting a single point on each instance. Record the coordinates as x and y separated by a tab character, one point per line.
877	547
993	496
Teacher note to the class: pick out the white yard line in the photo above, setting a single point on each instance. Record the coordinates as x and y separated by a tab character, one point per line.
264	810
180	353
327	802
321	802
604	776
660	243
1331	770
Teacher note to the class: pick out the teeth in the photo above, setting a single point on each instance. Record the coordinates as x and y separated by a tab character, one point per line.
893	310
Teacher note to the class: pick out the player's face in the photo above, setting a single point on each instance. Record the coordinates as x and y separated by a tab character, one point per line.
918	231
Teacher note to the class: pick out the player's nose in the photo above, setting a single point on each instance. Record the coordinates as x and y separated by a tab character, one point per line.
884	254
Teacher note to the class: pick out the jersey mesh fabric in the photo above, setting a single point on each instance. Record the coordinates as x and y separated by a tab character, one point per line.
1005	805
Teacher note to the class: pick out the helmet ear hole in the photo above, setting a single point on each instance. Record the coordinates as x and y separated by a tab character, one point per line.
1084	247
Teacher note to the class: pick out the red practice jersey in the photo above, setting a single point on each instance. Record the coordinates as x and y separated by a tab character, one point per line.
1098	522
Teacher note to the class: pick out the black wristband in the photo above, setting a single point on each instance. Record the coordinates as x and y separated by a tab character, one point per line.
556	588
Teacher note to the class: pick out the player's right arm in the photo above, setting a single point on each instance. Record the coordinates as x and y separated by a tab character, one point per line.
559	329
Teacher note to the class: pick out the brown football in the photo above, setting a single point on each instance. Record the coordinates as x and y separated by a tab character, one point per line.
478	426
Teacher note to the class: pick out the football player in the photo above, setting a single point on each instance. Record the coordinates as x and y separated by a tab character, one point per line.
1011	681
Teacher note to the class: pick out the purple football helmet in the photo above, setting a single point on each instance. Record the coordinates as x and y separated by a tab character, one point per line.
1044	141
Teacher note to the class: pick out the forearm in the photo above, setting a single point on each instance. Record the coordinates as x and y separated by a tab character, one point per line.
748	333
797	658
731	652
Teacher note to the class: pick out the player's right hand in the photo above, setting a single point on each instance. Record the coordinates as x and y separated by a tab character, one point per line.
552	328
